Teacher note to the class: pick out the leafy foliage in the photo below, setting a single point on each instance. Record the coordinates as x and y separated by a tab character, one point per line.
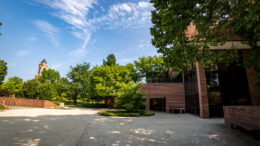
13	86
120	113
3	70
151	67
214	21
50	75
131	100
109	81
79	76
35	89
111	60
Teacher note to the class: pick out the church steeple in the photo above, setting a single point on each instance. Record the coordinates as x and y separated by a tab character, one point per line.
42	66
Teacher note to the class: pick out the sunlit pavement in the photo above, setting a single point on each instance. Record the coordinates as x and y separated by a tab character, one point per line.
34	126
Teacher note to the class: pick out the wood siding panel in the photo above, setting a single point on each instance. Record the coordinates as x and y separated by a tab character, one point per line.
173	92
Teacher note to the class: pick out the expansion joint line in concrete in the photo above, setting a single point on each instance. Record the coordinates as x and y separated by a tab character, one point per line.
82	134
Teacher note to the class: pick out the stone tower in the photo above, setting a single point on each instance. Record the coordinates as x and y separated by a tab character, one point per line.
42	66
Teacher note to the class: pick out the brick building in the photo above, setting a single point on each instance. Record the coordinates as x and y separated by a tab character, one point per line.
205	91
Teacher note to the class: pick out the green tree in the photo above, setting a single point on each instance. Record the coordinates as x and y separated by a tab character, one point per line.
62	87
79	76
111	60
134	73
109	81
36	89
151	67
0	26
31	88
50	75
131	100
213	20
3	70
47	91
13	86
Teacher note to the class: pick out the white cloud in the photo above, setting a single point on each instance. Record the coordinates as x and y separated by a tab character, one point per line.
127	60
32	39
56	66
49	30
22	53
125	15
122	15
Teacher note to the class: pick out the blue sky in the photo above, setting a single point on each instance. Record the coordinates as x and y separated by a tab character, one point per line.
68	32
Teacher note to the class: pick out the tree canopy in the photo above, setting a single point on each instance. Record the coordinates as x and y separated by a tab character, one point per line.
35	89
213	21
79	76
111	60
109	81
50	75
13	86
151	67
3	70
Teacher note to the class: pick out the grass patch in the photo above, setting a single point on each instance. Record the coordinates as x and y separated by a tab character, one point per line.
81	104
2	107
90	105
123	113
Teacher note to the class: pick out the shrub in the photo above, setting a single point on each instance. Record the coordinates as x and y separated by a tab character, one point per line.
2	107
130	100
121	113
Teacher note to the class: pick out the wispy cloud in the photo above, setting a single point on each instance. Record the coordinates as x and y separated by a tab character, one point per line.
32	39
125	15
22	53
49	30
76	13
56	66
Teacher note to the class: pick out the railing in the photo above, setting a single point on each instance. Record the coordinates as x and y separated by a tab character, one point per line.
161	80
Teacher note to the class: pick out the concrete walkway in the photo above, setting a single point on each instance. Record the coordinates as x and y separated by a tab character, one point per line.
34	126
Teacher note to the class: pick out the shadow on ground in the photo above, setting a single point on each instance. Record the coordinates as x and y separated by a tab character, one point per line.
87	129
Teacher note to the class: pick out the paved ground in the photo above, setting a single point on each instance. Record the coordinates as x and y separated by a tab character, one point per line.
32	126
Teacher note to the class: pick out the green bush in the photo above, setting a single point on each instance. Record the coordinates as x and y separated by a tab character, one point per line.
2	107
130	100
121	113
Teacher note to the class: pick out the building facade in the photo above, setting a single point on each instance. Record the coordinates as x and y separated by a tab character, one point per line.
207	91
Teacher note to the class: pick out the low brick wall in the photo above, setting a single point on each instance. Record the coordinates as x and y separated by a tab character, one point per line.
242	114
5	106
173	92
27	102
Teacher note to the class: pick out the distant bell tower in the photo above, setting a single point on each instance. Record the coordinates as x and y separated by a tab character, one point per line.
42	66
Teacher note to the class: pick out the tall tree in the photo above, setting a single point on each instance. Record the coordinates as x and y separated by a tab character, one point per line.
111	60
213	19
36	89
13	86
109	81
151	67
50	75
3	70
0	26
79	76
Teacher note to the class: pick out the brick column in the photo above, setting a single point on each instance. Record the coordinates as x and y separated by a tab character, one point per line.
203	93
254	91
147	107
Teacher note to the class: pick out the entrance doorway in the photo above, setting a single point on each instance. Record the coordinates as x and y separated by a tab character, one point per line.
227	85
191	91
158	104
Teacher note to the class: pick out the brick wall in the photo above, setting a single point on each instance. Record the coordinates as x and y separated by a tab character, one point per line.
5	106
242	114
27	102
174	93
254	91
203	92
